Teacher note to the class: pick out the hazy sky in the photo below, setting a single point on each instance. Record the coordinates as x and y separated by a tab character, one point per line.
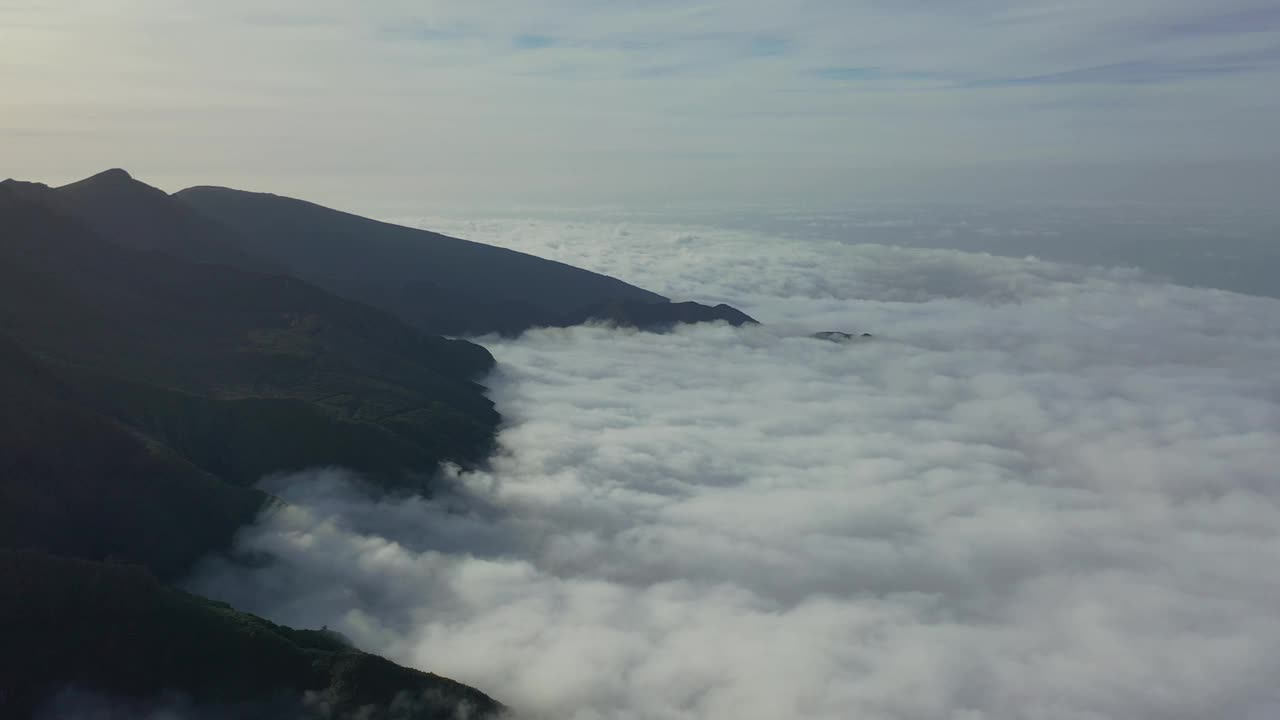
392	104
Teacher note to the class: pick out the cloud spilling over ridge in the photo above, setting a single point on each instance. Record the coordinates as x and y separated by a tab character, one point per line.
781	279
1041	492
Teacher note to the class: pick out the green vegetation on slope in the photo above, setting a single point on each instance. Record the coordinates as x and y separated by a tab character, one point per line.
115	630
143	395
75	482
241	373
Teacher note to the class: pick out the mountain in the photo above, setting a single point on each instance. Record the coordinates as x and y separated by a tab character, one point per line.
836	336
442	284
144	393
75	482
252	372
135	215
107	640
436	283
657	317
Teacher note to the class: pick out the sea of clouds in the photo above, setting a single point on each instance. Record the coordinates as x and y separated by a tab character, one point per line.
1039	491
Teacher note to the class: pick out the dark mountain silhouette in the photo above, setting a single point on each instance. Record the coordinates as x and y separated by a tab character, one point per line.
248	373
116	632
135	215
439	283
657	317
143	393
836	336
74	481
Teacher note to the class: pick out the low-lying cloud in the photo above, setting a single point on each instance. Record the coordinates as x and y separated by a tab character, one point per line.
1040	491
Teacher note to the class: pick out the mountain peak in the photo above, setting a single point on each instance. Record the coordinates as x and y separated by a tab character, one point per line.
112	186
14	184
136	215
108	180
113	174
27	191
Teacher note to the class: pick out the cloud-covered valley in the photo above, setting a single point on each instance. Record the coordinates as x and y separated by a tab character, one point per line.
1039	491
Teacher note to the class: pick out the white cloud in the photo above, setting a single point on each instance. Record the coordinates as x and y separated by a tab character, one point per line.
1041	492
781	278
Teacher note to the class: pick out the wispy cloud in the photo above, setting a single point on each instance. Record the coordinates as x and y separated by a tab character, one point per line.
534	42
851	73
768	45
436	85
876	74
1137	72
1263	19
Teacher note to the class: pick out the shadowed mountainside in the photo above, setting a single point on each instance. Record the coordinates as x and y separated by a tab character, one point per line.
260	372
443	284
116	632
75	482
437	283
143	395
137	216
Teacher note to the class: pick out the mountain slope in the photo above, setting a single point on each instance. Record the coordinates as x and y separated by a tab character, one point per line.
144	330
73	481
439	283
114	631
142	392
135	215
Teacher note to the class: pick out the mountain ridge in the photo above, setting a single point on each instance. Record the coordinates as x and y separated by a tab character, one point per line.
442	284
138	216
144	394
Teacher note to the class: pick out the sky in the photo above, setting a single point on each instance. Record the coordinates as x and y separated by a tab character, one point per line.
391	106
1041	490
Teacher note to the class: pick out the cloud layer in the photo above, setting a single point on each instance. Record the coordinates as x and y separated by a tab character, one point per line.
718	253
1040	491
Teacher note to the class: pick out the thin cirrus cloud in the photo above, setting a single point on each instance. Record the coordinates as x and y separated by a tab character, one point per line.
584	99
534	42
1262	19
1145	72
